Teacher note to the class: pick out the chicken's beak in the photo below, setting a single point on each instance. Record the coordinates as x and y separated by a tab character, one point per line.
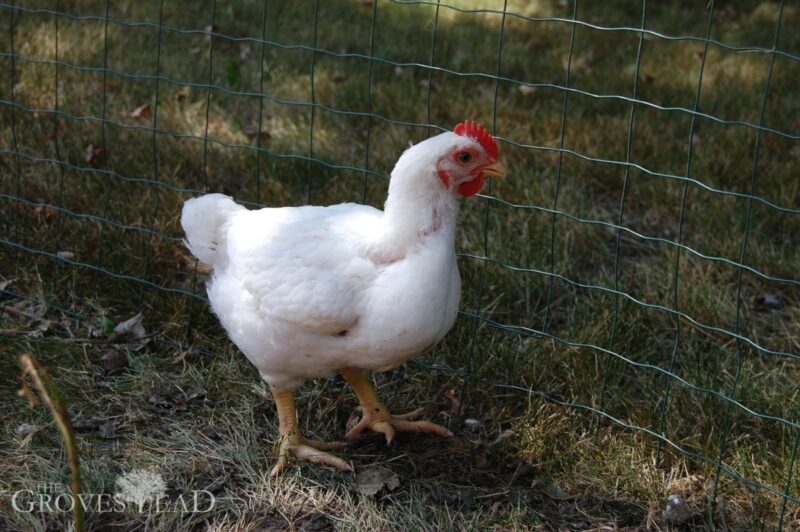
496	169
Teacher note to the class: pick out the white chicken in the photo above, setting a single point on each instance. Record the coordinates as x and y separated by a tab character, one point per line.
306	291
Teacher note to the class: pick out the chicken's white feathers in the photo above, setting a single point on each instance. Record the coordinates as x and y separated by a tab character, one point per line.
302	265
304	291
205	222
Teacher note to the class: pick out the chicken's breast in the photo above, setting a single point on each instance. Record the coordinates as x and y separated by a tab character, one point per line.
302	297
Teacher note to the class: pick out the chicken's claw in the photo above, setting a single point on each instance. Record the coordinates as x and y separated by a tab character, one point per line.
378	419
309	450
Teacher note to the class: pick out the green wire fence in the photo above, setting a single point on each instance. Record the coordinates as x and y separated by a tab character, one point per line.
42	173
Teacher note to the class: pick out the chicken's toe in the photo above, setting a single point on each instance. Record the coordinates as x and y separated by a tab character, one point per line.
376	425
310	451
380	420
421	426
325	445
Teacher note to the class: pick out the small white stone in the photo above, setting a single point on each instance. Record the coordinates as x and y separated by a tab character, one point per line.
26	428
472	424
677	511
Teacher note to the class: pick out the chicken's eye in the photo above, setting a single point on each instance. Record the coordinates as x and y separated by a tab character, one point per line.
464	156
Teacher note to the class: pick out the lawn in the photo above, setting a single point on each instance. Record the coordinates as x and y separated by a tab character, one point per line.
630	325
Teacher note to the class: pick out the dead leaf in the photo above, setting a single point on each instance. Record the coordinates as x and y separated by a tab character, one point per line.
374	479
159	402
554	491
182	93
143	111
503	436
87	424
451	397
106	428
338	78
317	522
131	326
22	309
197	395
34	313
114	362
182	355
128	331
93	154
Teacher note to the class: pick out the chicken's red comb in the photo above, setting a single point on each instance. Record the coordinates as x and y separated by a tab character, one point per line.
475	131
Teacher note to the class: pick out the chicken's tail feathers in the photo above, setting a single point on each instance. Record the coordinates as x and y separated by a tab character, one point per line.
205	220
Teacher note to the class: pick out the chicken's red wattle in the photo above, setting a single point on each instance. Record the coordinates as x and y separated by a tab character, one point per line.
470	188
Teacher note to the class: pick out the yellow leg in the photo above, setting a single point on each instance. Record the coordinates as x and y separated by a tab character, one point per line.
292	441
377	417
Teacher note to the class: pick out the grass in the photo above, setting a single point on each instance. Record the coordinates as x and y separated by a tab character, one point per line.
538	365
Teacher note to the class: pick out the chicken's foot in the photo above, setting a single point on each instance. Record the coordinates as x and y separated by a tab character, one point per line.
292	441
375	415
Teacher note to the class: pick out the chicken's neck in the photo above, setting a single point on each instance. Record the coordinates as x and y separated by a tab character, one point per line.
416	209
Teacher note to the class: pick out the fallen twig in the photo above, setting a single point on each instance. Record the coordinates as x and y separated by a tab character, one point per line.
54	401
21	313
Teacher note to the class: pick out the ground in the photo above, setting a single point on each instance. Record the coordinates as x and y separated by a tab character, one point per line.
609	310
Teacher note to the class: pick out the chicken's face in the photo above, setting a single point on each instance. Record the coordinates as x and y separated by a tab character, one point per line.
469	160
